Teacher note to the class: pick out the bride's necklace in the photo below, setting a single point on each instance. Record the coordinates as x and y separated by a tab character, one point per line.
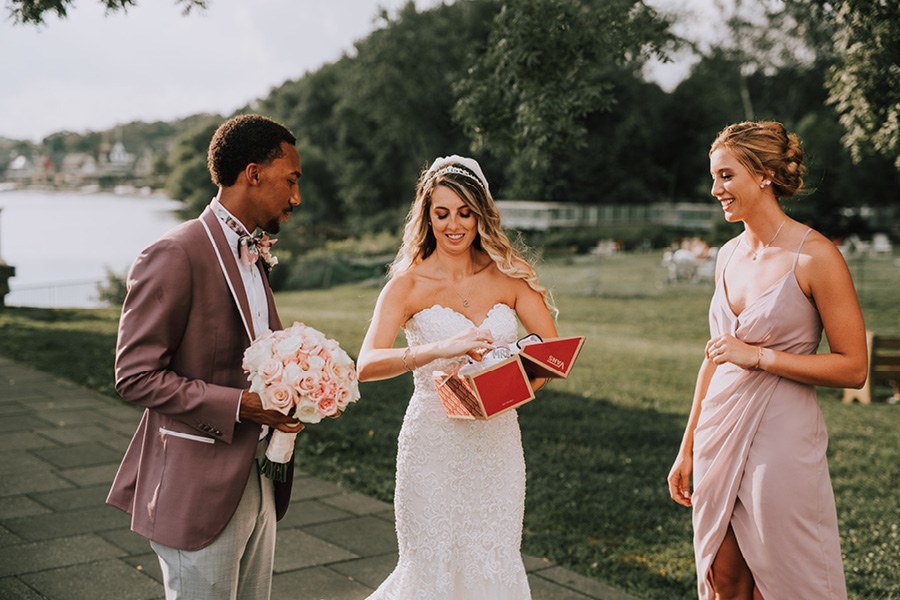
755	254
465	299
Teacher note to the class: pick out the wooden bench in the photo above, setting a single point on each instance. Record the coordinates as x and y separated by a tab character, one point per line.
884	366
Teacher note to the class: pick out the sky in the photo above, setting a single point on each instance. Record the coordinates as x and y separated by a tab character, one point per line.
91	71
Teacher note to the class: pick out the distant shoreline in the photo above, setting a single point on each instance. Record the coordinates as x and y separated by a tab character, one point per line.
125	189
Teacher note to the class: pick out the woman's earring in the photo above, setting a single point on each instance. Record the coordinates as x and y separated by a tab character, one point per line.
764	184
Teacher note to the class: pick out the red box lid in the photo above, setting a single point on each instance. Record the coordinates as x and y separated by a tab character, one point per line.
553	357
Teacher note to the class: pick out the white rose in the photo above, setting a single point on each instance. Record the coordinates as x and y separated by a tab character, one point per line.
271	370
308	412
316	362
289	346
341	358
353	388
257	385
258	352
292	374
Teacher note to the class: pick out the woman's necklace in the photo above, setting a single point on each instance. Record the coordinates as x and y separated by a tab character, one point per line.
465	299
755	255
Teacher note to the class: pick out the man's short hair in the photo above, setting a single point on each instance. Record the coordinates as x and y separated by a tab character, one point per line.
242	140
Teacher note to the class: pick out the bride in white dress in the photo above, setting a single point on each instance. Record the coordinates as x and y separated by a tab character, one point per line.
456	288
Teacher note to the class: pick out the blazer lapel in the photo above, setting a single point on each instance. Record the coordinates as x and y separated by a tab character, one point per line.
227	264
274	320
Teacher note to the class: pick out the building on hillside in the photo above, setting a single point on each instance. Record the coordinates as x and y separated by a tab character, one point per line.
77	168
20	170
30	170
119	160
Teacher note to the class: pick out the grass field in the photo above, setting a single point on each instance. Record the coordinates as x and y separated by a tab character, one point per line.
598	445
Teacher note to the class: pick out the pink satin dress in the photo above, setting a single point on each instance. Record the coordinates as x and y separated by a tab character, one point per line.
759	456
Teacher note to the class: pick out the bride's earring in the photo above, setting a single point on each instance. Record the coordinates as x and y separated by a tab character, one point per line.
764	184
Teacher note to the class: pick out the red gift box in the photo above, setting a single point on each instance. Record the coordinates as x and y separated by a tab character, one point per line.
505	386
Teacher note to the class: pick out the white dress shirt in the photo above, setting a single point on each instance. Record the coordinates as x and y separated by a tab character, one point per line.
253	285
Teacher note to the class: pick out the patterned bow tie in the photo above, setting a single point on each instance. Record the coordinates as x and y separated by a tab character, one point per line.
250	246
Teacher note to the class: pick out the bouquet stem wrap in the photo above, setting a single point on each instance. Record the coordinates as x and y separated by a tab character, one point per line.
278	455
298	371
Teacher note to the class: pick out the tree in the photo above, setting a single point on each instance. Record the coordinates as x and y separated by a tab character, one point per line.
864	84
393	114
864	80
621	159
189	179
796	96
546	67
34	11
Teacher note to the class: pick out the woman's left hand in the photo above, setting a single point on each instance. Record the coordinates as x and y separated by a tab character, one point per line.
728	348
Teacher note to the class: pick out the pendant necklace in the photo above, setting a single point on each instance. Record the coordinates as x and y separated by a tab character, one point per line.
465	299
755	255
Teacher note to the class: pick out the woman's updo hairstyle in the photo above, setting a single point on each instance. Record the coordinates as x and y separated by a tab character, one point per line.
767	149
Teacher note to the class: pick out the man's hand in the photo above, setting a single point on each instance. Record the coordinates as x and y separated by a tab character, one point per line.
252	410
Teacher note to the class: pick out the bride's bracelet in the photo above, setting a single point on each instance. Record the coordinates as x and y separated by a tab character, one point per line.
405	356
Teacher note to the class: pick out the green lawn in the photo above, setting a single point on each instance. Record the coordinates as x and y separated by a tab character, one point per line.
598	445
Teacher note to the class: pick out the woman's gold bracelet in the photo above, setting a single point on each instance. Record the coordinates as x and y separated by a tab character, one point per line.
758	357
406	354
403	358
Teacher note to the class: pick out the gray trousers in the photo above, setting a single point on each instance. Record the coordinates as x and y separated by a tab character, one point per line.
238	564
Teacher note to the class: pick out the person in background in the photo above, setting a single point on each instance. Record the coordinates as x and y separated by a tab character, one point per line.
196	300
765	524
456	288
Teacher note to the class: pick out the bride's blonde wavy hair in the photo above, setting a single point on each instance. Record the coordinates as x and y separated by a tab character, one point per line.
419	241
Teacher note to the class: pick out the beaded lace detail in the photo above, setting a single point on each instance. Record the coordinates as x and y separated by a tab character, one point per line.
460	493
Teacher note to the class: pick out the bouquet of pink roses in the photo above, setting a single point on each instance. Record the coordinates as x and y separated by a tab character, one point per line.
298	369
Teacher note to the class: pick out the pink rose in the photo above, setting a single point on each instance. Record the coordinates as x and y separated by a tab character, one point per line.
308	382
278	396
342	398
299	358
327	406
325	389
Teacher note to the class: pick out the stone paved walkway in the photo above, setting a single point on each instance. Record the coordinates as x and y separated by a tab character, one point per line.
60	446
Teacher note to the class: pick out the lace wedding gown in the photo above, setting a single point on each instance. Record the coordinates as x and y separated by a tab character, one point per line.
460	492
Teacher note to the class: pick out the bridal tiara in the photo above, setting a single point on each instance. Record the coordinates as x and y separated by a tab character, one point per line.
458	165
458	171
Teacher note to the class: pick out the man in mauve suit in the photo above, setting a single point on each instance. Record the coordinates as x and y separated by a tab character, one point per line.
196	300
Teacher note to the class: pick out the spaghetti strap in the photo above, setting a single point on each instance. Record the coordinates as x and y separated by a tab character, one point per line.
730	256
797	255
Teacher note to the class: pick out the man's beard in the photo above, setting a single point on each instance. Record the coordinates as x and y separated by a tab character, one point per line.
273	226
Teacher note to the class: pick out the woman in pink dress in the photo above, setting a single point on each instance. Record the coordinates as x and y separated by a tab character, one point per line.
765	524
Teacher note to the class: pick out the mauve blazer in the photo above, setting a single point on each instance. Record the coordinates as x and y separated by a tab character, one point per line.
185	325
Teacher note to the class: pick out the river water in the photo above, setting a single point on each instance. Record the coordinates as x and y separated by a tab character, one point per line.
62	243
